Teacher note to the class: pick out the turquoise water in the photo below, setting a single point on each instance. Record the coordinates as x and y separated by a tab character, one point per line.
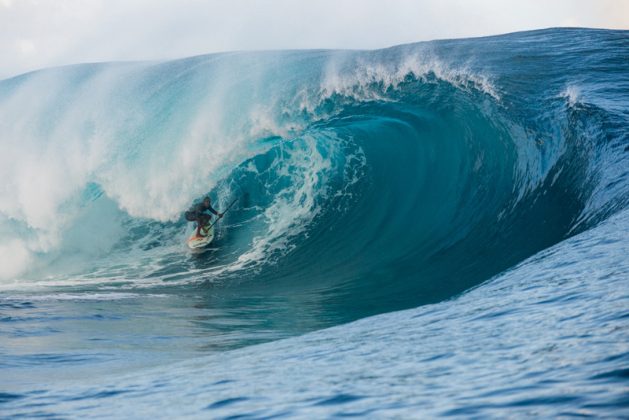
462	201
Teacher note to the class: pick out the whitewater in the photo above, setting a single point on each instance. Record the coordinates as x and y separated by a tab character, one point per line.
432	229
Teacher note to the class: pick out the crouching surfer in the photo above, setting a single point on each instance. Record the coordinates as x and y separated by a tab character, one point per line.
202	214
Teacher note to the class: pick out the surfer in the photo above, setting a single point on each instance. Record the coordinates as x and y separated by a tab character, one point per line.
199	213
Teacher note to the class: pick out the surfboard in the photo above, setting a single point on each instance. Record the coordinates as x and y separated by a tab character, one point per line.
197	242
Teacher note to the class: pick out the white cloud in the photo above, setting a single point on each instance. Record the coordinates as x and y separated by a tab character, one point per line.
26	46
56	32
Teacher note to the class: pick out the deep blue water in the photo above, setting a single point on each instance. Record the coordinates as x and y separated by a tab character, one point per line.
438	228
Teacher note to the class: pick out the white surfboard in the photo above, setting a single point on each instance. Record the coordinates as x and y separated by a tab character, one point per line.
197	242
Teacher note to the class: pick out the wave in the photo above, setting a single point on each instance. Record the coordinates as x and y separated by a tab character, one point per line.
367	181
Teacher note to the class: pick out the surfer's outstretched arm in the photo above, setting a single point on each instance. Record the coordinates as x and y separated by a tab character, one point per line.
213	211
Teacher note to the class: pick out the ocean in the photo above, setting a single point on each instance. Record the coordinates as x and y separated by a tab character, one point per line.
432	229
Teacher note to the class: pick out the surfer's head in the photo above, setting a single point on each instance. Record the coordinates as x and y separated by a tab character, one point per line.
207	202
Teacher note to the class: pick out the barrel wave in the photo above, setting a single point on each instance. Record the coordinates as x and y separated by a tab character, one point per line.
367	181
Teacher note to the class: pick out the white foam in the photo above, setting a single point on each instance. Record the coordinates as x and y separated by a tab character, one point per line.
294	207
61	133
99	296
572	94
370	80
45	162
14	256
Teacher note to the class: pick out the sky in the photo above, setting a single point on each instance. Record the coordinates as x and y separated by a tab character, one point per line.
44	33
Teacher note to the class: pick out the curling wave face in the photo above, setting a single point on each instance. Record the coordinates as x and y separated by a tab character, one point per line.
368	181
